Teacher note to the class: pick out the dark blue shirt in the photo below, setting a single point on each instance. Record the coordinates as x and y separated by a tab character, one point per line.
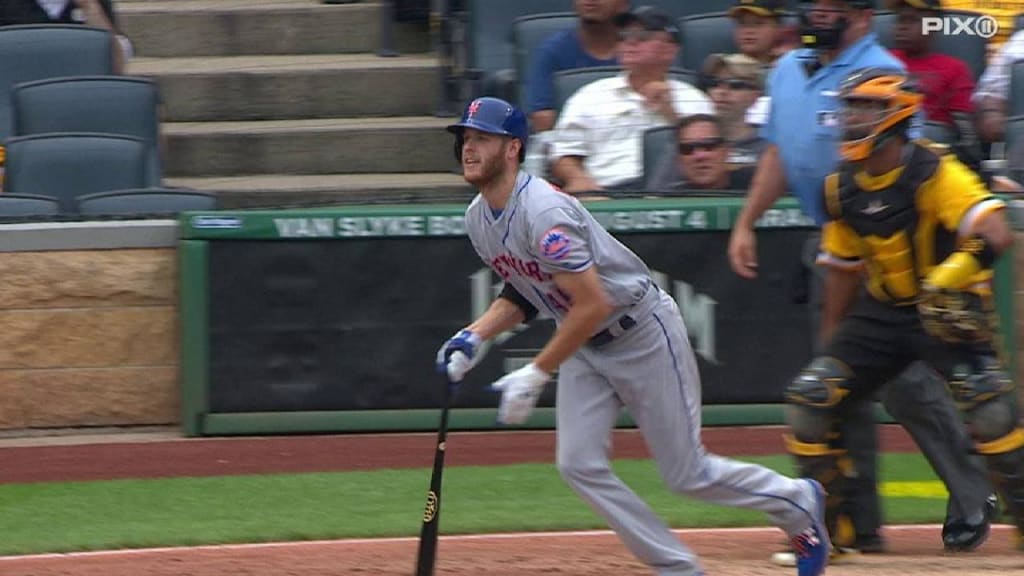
561	51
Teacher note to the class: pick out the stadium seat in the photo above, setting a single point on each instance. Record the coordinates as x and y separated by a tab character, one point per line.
23	206
67	165
704	35
34	52
939	132
1016	104
490	56
145	201
567	82
529	32
682	8
99	104
972	49
656	141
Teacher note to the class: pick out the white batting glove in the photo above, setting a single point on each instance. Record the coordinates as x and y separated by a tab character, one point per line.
459	354
520	391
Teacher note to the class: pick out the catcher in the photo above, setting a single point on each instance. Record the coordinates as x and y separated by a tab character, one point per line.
910	245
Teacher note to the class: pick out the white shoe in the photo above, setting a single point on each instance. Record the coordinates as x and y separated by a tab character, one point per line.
787	558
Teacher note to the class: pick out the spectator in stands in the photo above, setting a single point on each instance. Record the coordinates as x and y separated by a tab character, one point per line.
993	92
946	81
700	160
593	42
599	136
1004	11
96	13
735	82
759	31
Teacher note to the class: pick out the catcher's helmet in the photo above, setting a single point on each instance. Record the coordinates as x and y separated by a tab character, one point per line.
495	116
897	98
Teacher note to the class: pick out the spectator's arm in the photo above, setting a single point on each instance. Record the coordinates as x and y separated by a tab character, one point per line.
574	177
100	16
569	146
540	89
542	120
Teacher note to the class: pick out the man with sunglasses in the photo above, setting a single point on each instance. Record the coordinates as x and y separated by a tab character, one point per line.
803	134
735	82
598	140
700	162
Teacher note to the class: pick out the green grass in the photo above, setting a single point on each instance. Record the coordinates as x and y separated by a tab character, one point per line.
59	517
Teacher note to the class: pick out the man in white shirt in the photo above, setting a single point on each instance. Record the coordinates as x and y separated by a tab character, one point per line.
992	94
598	141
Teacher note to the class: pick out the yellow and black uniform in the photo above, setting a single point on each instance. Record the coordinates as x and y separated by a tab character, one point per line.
1004	11
903	229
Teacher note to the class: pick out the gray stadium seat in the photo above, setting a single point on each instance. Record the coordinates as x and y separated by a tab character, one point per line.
973	50
34	52
939	132
490	56
1016	104
23	206
101	104
567	82
682	8
529	32
145	201
656	141
704	35
66	165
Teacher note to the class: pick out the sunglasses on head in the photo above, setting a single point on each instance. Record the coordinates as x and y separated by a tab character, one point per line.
638	34
707	145
731	83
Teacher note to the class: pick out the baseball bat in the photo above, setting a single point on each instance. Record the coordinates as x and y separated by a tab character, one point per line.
432	511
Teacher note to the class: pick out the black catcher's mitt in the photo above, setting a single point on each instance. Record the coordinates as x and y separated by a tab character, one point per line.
956	316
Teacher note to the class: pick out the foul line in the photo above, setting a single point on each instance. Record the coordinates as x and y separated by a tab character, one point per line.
411	539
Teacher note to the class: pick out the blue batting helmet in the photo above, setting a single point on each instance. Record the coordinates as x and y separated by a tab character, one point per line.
495	116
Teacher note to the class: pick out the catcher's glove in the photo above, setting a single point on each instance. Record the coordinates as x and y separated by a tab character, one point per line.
955	316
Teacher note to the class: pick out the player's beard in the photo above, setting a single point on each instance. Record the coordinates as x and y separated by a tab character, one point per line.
486	170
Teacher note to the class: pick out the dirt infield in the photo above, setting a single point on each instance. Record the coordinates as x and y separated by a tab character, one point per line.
913	550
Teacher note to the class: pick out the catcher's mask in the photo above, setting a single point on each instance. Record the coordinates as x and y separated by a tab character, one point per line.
877	104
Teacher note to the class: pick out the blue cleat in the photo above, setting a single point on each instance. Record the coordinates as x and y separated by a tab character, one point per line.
812	546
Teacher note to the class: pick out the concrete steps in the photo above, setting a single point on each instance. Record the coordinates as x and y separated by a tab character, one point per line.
292	86
284	190
255	27
317	146
286	102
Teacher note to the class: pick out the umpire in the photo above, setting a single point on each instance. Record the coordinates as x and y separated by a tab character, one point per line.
803	135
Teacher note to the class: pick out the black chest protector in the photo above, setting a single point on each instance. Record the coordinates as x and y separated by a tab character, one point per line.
886	221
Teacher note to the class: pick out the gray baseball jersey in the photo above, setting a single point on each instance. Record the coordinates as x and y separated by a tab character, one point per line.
649	368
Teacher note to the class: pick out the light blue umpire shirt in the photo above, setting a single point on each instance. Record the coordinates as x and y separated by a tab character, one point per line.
803	119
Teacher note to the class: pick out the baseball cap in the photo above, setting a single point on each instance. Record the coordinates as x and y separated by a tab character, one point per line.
649	18
774	8
738	66
933	5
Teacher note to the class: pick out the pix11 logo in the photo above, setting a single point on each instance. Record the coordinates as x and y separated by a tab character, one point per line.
984	26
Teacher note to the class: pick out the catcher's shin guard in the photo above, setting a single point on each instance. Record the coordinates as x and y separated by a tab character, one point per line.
1005	459
830	467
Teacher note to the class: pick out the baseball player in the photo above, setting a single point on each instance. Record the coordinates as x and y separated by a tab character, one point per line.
925	232
619	341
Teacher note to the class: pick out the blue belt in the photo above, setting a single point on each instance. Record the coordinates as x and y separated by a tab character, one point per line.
624	323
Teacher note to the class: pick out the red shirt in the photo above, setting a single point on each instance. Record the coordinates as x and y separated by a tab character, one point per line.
946	81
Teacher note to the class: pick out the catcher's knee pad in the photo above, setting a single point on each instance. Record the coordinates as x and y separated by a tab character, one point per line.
988	398
1005	459
812	397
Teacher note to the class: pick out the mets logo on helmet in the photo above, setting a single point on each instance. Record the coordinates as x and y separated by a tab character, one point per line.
473	107
555	244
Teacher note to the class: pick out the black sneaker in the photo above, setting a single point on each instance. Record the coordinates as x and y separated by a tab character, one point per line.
960	535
